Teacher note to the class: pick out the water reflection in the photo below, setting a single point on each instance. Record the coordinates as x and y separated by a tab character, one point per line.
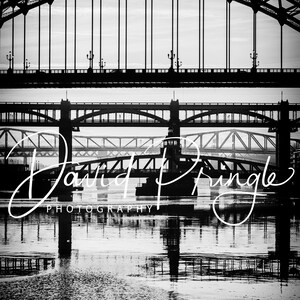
175	244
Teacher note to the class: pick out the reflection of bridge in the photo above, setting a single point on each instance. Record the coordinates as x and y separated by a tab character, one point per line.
152	69
24	266
223	142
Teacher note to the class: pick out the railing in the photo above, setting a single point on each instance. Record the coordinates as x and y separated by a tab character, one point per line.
151	71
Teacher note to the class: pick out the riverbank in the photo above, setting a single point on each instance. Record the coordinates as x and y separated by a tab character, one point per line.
77	284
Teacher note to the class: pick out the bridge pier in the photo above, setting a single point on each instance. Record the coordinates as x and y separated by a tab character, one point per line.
283	137
65	129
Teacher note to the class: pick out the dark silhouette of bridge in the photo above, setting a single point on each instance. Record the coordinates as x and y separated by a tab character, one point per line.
281	118
63	74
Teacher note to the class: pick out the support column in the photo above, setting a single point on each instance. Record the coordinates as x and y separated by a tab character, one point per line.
173	146
65	129
283	137
174	123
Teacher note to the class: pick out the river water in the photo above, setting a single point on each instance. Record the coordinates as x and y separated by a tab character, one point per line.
181	251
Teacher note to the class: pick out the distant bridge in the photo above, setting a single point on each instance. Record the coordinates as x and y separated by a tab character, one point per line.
151	164
148	114
223	142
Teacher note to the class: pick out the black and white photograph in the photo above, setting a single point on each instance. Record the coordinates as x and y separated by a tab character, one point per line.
149	149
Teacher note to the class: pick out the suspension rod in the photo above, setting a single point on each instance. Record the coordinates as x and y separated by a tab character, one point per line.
126	32
203	34
13	40
177	32
199	34
24	44
145	34
151	36
50	36
39	40
75	33
281	47
119	36
92	32
100	31
66	30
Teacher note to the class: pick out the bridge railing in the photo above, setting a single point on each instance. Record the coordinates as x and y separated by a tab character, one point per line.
150	71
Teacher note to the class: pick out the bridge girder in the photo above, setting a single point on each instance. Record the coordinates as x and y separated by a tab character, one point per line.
223	141
147	165
284	15
147	115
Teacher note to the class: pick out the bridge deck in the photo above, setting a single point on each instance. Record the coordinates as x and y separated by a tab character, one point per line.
60	78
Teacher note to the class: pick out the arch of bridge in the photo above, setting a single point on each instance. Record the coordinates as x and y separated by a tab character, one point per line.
117	111
265	119
285	16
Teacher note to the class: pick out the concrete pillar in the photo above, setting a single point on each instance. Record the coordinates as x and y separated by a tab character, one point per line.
65	129
283	137
174	123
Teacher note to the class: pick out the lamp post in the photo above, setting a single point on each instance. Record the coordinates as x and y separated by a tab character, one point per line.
10	59
26	65
255	62
90	58
178	64
171	57
102	64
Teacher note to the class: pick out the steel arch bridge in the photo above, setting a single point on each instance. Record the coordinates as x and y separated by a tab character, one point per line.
146	165
149	114
120	72
223	142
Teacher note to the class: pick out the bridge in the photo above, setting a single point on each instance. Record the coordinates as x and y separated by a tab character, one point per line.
227	142
281	118
68	60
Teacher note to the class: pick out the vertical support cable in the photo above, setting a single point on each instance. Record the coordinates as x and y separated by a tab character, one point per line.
226	36
13	40
39	40
228	17
151	36
281	48
119	37
92	32
229	33
203	35
177	32
66	29
100	33
50	37
145	34
24	44
199	35
172	48
254	54
126	32
75	32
